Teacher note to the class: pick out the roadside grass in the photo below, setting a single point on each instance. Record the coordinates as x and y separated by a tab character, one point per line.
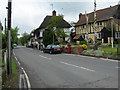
13	79
109	49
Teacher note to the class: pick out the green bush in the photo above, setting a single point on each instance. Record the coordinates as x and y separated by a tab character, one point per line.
83	42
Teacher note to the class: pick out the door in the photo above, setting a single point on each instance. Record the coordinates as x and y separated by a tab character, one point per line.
105	39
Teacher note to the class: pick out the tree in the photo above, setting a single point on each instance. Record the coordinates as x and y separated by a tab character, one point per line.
23	39
14	37
59	32
47	37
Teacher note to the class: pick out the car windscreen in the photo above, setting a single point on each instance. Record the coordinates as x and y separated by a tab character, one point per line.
56	46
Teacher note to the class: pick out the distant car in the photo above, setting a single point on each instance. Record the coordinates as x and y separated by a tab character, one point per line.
14	45
53	49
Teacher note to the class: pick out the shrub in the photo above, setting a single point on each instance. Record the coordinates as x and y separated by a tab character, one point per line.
83	42
99	43
84	46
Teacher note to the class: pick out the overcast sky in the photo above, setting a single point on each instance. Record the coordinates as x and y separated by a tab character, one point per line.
29	14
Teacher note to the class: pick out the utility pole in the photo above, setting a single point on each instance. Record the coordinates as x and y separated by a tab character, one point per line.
9	65
86	27
5	25
95	17
112	31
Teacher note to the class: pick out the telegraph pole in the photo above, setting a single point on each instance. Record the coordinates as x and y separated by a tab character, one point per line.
95	17
9	65
5	25
112	31
86	27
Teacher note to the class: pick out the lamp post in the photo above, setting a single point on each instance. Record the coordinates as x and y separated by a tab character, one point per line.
54	28
9	65
111	18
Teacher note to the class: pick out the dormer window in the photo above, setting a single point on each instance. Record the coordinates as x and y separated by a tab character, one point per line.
99	23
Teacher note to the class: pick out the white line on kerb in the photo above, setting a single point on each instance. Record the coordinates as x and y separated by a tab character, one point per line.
45	57
17	60
26	76
14	53
78	66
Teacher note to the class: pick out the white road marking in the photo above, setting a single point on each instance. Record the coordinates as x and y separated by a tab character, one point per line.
109	60
78	66
26	76
14	53
94	57
17	61
45	57
117	67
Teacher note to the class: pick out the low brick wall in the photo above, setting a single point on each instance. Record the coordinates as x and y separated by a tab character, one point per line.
77	50
74	50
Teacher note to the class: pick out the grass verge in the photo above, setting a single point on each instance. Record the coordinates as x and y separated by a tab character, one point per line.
12	81
109	49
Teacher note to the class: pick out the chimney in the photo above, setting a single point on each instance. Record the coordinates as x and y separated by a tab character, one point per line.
54	13
80	15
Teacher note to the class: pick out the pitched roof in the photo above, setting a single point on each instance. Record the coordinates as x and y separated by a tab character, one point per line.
61	24
102	15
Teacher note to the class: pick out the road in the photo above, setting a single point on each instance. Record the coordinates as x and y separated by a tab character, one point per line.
67	70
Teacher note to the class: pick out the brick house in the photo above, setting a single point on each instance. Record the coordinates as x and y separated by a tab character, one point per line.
103	27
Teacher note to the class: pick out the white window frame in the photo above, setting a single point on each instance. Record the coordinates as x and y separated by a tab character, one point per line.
117	35
99	35
99	23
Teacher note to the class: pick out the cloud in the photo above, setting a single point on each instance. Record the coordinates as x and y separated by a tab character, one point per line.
29	14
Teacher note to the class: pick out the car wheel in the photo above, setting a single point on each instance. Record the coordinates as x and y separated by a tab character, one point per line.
44	52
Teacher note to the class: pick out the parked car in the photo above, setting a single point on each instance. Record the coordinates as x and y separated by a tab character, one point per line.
14	45
53	49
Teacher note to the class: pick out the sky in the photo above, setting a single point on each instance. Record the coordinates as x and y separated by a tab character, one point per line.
29	14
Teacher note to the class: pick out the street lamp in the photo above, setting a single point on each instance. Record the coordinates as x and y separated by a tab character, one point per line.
54	28
111	18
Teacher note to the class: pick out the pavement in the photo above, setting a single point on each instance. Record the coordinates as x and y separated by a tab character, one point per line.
67	70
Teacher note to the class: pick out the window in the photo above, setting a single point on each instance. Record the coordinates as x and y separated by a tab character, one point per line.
117	35
82	27
99	35
99	23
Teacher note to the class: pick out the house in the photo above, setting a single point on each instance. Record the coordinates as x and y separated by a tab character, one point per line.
32	40
50	20
103	26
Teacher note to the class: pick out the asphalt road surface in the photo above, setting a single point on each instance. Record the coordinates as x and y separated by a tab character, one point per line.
67	70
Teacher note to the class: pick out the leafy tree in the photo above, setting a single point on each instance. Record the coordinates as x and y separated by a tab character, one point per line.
14	37
48	37
60	34
55	22
23	39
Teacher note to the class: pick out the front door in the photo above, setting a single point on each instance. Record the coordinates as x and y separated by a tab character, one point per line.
105	39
